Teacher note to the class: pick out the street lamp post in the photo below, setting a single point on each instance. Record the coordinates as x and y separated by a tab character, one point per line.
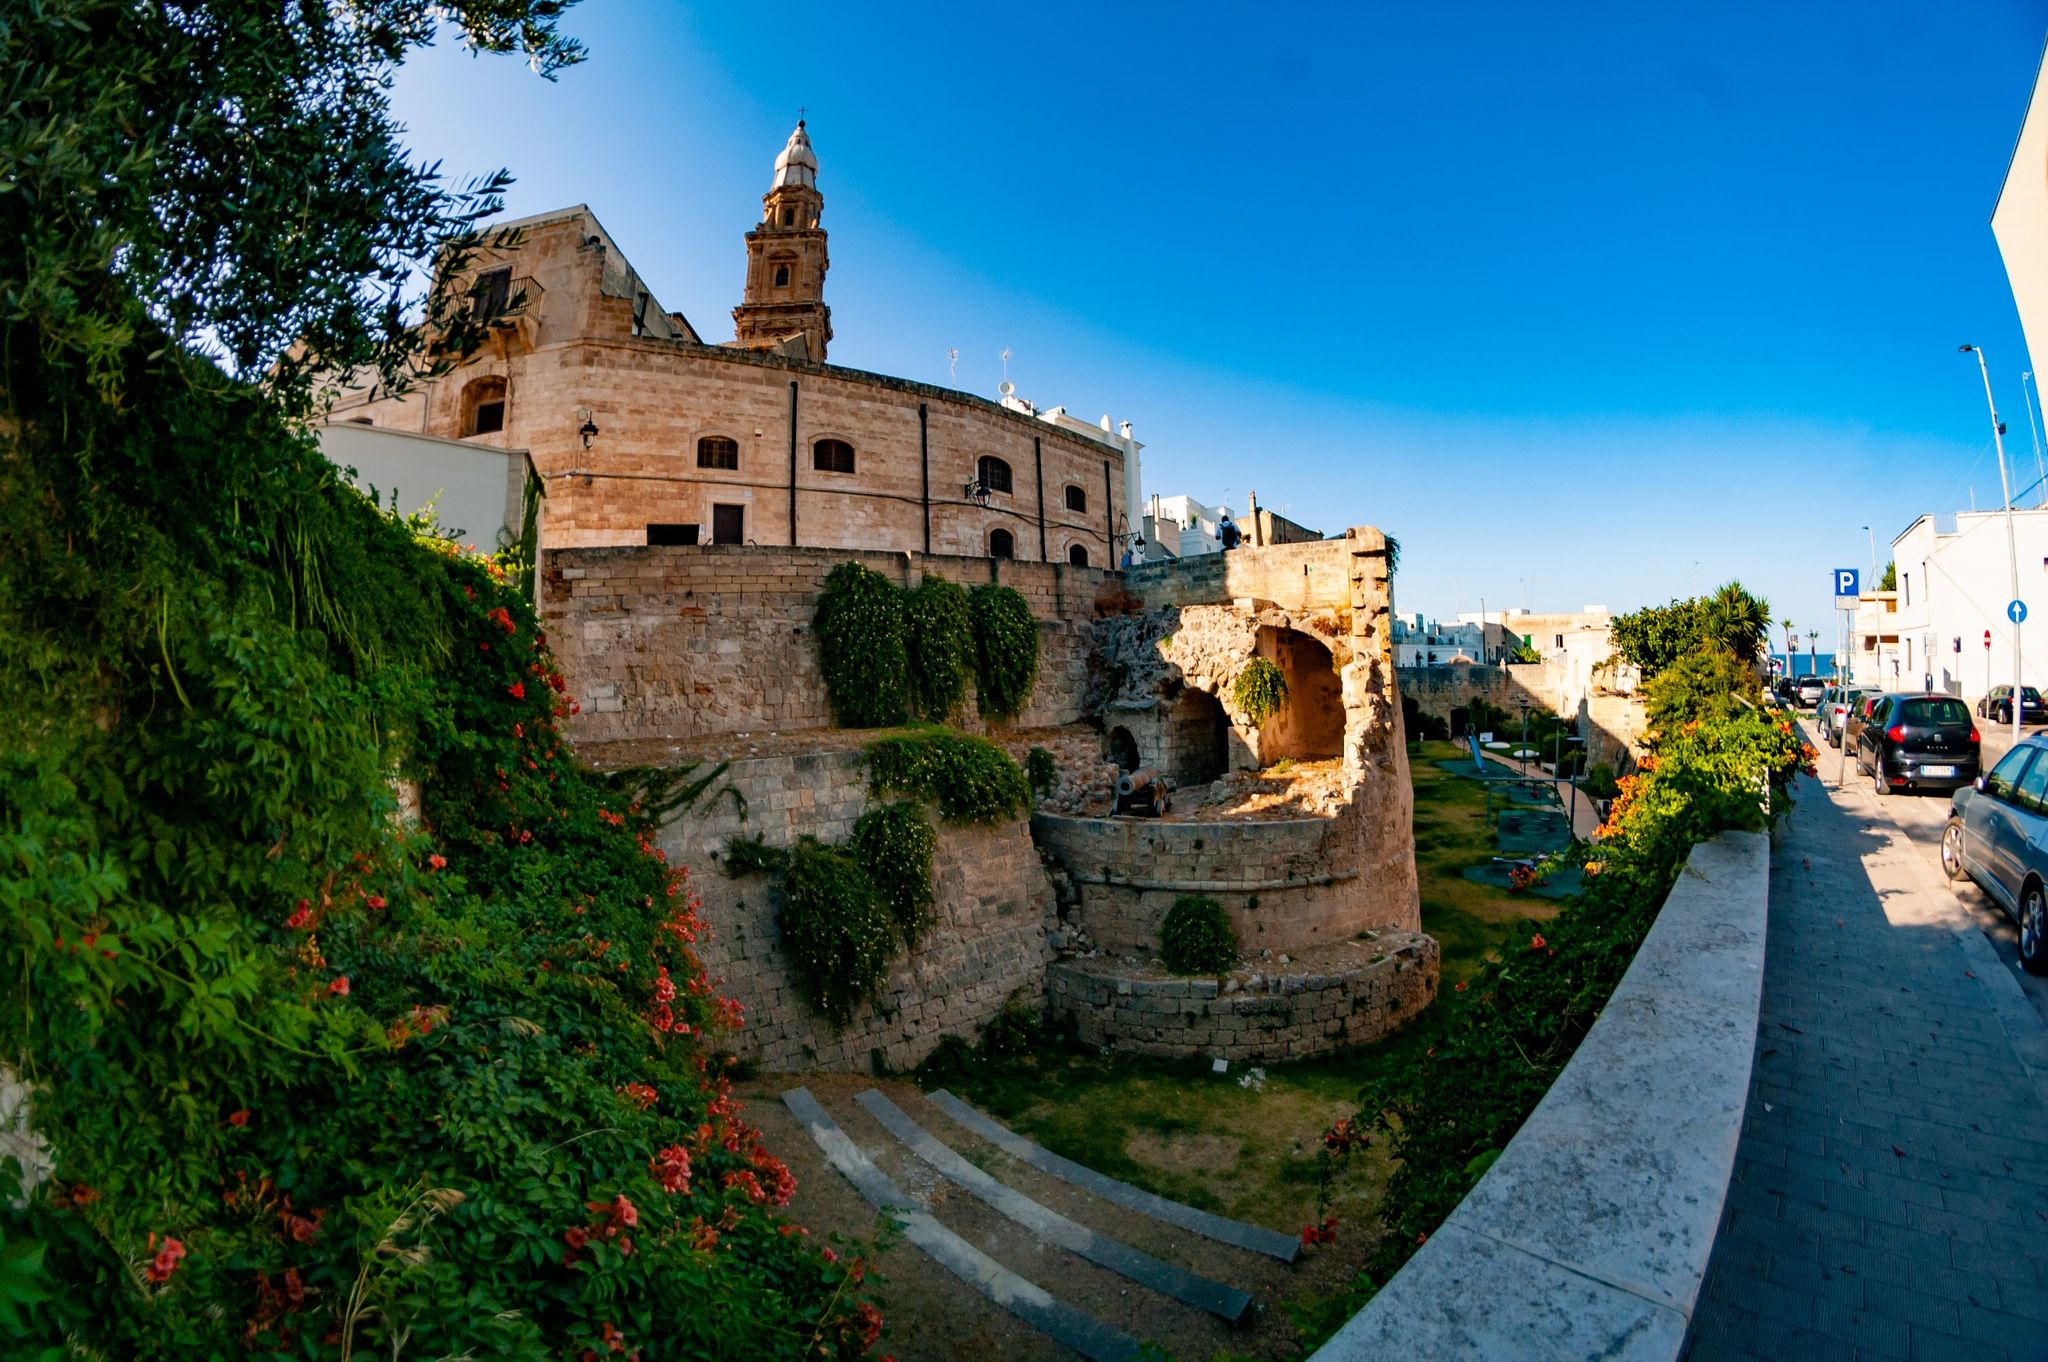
2011	548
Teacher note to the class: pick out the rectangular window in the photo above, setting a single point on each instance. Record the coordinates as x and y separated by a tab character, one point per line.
671	534
491	292
490	417
728	524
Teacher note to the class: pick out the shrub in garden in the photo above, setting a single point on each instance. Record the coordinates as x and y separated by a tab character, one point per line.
940	640
837	933
1260	690
861	651
1005	651
1196	936
895	845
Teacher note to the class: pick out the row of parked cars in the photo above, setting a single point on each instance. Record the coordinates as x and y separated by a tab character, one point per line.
1997	829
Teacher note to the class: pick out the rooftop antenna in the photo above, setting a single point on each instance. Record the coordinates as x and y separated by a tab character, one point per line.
953	365
1006	364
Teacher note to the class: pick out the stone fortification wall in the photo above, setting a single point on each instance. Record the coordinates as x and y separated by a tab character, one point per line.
1311	576
1293	1012
1612	724
686	641
989	944
1288	884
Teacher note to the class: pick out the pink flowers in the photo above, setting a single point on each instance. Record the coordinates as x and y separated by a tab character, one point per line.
671	1168
166	1261
339	988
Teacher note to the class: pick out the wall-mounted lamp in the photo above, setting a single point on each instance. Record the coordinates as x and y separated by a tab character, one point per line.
976	491
588	428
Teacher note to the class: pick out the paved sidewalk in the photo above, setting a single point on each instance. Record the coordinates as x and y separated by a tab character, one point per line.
1891	1192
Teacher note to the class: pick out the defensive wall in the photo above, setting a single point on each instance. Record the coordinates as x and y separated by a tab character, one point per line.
1612	725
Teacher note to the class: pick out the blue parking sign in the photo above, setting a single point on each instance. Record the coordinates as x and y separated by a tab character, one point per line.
1845	583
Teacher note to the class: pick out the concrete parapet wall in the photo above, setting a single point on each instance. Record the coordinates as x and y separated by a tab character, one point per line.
680	642
989	944
1286	1016
1288	884
1589	1235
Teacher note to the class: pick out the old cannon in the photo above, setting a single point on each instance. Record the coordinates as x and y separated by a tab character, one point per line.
1141	792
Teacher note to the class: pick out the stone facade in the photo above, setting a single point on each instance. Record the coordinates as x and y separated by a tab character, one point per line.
1295	1011
1613	725
643	433
678	642
988	946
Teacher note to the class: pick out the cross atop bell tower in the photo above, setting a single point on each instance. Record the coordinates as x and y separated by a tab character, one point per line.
783	307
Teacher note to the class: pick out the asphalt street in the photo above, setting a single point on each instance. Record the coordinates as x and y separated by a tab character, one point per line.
1921	818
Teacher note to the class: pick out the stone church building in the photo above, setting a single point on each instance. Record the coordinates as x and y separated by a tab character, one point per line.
644	433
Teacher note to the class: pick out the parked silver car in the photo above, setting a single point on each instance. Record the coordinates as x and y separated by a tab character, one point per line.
1834	708
1997	834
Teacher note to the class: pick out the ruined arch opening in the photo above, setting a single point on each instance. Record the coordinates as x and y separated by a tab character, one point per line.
1122	749
1310	726
1197	748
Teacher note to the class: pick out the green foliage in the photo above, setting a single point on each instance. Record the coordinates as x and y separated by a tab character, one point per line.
1707	684
1042	771
1260	690
1522	1015
1524	651
753	856
859	625
314	1079
1598	781
1196	936
1890	580
940	638
895	844
1658	635
970	779
837	933
1005	651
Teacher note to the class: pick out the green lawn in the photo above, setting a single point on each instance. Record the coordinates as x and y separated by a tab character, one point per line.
1179	1130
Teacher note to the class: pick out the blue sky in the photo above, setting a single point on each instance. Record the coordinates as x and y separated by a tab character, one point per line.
1602	305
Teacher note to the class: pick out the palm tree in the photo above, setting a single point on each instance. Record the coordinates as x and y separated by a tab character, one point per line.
1738	621
1790	639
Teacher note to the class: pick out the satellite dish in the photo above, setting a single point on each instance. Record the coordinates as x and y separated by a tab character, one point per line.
1006	387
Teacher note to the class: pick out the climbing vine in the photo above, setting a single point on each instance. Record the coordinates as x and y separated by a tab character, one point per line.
1005	651
1260	690
895	844
861	651
837	933
1042	770
940	640
970	779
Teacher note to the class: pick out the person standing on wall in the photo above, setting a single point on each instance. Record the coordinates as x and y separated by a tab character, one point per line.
1227	531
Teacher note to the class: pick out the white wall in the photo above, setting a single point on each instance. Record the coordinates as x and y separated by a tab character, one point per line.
478	492
2020	223
1955	586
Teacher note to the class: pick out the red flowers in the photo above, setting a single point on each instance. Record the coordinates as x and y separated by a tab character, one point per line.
239	1119
166	1261
671	1168
640	1095
302	916
517	690
503	618
376	901
1537	943
437	862
870	1323
1459	986
1325	1233
339	988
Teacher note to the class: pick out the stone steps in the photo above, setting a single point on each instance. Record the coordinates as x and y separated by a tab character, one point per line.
999	1228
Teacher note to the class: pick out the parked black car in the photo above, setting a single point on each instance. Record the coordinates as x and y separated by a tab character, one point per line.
1997	834
1997	706
1918	742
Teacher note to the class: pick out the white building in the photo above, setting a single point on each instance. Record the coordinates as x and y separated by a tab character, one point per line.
1180	527
1422	642
1954	581
1116	436
2020	224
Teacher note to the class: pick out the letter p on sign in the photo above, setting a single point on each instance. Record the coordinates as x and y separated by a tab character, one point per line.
1845	582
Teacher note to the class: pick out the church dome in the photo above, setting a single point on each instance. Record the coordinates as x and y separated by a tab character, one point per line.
798	164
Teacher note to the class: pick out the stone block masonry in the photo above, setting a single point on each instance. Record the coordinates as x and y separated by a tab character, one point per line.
989	944
681	642
1314	1006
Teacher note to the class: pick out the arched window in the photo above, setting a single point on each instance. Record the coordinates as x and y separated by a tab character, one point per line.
1077	500
717	451
1078	555
483	406
832	456
1002	544
782	276
993	473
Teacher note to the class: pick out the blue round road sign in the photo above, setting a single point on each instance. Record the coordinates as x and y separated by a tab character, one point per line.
2017	612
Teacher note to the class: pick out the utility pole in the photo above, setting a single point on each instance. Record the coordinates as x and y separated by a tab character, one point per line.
2012	552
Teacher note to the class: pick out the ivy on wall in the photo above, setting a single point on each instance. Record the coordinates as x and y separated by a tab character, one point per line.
895	845
861	651
836	930
1260	690
970	779
940	639
1005	651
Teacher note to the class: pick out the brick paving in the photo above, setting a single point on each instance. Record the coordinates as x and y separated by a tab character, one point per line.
1891	1188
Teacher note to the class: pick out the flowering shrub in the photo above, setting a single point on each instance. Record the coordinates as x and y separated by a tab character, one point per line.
941	647
1005	650
861	648
1509	1035
969	778
316	1081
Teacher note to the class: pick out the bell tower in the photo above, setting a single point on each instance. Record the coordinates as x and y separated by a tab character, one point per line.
783	307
